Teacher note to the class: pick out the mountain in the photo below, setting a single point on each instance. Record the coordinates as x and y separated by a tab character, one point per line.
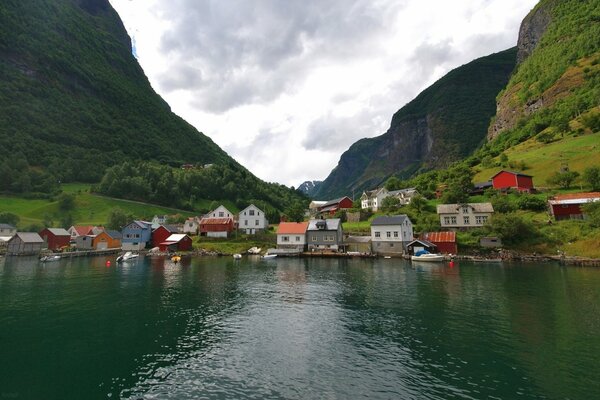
309	187
444	123
74	101
557	80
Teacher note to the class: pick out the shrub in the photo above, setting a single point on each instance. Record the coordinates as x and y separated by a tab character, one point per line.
531	203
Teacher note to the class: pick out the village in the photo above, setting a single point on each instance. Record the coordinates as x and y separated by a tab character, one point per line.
320	234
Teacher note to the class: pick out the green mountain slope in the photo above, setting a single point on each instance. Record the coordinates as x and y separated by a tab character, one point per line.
444	123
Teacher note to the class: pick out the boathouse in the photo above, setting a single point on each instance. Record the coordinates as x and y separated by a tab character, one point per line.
55	238
24	244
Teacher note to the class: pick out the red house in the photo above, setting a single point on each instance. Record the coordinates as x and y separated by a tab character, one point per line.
55	238
216	227
176	242
568	206
333	206
512	180
161	234
445	241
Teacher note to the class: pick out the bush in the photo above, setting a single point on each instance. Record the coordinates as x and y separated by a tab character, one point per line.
591	176
502	204
531	203
511	228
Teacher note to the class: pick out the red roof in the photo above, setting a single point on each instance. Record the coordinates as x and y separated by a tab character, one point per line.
215	221
577	196
292	228
440	237
83	229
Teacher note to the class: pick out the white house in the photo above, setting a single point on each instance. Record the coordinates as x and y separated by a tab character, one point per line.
220	212
391	234
292	236
7	230
252	220
373	199
468	215
191	226
159	220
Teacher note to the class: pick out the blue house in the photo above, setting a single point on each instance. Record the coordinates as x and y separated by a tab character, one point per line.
136	235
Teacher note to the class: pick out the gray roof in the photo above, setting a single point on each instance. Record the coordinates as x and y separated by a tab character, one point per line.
331	224
390	220
114	234
422	241
30	237
333	202
453	208
404	191
59	232
6	226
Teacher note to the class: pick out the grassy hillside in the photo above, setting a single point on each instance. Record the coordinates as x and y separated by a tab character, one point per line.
444	123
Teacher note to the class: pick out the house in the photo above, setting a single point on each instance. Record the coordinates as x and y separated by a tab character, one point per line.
480	188
445	241
325	234
333	206
85	242
504	180
568	206
161	234
191	226
24	244
468	215
252	220
136	235
176	242
373	199
292	236
79	230
391	234
358	244
55	238
7	230
490	242
419	245
107	240
314	206
220	212
159	220
216	227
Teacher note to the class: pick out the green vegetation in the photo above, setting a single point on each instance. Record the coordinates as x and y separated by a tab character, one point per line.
237	244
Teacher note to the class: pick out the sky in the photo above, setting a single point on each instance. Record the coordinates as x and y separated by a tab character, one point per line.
286	86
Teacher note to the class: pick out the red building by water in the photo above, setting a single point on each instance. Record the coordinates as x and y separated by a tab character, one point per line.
176	242
512	180
216	227
161	234
568	206
55	238
445	241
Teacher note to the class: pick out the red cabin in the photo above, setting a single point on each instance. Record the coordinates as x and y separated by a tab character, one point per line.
568	206
176	242
56	238
161	234
333	206
216	227
445	241
512	180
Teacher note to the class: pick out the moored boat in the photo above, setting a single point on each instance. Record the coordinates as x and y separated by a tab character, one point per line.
54	257
427	257
237	256
127	256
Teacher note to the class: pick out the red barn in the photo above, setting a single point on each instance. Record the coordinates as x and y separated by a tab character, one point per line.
568	206
333	206
176	242
216	227
55	238
161	234
512	180
445	241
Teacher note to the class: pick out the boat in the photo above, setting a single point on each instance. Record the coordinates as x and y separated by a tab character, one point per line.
50	258
269	256
127	256
254	250
237	256
429	257
176	258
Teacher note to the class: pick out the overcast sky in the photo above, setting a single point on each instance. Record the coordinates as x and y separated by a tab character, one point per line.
286	86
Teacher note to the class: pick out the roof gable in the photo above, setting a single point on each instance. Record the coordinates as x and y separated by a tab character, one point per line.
389	220
512	173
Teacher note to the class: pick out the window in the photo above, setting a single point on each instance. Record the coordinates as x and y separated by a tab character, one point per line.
256	223
481	219
297	238
388	234
221	214
246	222
285	238
453	220
466	220
251	212
395	234
465	209
314	238
446	220
377	234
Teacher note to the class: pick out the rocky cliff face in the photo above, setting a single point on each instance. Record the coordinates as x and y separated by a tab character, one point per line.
445	122
531	31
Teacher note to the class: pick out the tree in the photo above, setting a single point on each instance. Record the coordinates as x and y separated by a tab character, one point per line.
9	218
591	176
510	227
295	212
592	212
66	201
418	203
390	204
531	203
502	204
563	179
117	219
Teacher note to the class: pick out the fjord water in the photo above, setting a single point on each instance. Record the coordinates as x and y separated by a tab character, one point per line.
215	328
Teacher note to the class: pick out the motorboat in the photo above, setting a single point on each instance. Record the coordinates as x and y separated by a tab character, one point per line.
127	256
48	258
269	256
429	257
176	258
237	256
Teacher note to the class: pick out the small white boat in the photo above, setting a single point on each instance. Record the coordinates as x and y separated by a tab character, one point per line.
237	256
127	256
254	250
269	256
428	257
50	258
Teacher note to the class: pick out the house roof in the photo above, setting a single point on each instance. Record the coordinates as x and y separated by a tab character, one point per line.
170	228
422	241
82	229
176	237
389	220
316	204
331	224
114	234
250	206
6	226
292	228
403	191
215	221
440	237
335	201
575	198
58	232
141	224
511	172
453	208
483	185
29	237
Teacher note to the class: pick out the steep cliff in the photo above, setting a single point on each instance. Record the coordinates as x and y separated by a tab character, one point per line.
557	73
444	123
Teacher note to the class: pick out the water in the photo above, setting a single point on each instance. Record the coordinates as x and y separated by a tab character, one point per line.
215	328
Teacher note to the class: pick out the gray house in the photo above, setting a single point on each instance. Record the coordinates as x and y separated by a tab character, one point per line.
84	242
7	230
25	244
325	234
